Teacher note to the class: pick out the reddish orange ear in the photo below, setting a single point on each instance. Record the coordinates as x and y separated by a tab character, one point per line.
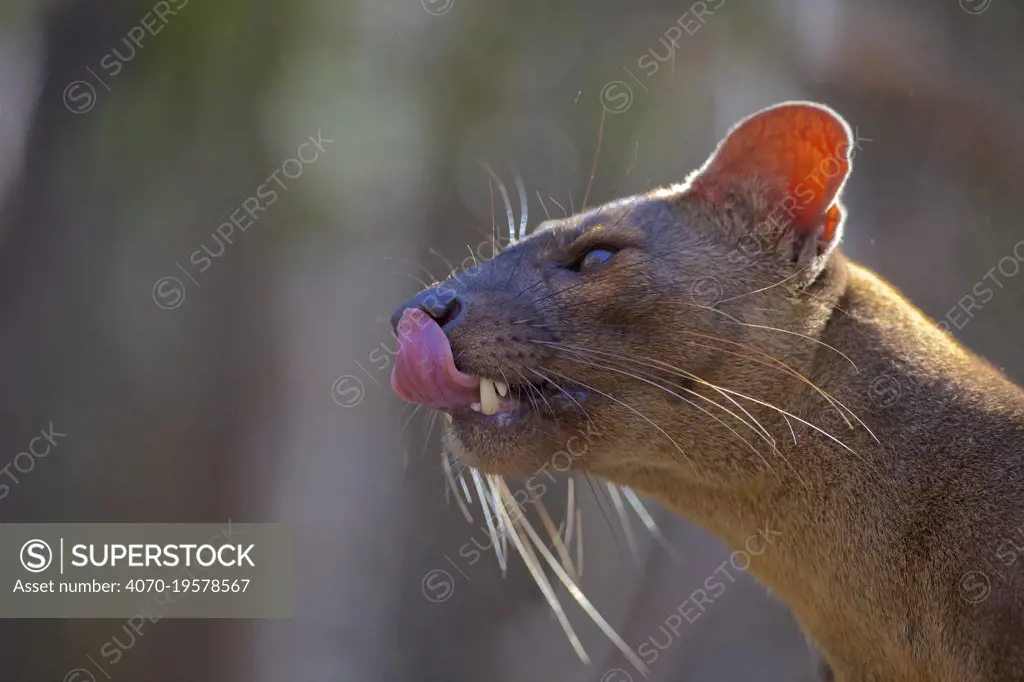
801	147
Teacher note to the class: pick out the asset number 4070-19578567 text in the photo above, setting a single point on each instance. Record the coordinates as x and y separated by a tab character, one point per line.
188	585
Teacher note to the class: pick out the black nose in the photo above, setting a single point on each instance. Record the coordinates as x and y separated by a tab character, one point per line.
441	304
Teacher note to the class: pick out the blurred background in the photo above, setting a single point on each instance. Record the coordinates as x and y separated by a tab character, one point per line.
204	376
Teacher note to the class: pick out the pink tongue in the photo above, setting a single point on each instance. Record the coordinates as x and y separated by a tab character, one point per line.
425	369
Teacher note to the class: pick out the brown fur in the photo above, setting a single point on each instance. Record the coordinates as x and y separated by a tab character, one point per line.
875	543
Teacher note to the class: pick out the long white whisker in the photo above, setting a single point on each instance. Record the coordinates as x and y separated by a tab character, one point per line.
620	509
631	409
543	205
451	266
648	521
524	207
414	264
465	488
556	538
504	197
570	509
559	205
447	466
496	499
431	423
802	336
770	286
579	543
408	419
485	505
416	278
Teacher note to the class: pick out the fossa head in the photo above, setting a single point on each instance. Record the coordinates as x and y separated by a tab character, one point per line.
618	320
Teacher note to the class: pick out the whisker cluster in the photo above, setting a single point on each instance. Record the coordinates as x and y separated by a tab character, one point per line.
505	518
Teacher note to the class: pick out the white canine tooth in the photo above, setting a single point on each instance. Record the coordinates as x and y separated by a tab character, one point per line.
501	387
448	416
489	402
475	407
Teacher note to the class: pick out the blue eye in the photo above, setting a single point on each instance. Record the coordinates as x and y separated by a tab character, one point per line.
593	258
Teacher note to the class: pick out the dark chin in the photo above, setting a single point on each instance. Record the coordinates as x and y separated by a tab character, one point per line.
507	445
493	444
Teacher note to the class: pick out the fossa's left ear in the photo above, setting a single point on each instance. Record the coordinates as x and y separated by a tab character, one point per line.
802	151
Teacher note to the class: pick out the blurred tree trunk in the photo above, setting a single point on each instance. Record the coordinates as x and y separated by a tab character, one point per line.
155	432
